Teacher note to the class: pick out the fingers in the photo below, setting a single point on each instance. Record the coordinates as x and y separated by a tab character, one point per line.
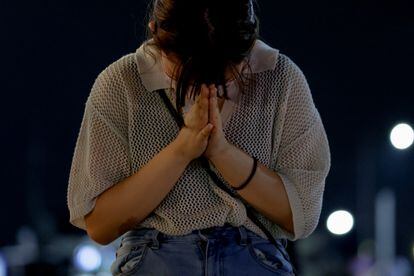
204	97
202	103
203	109
204	93
213	105
205	132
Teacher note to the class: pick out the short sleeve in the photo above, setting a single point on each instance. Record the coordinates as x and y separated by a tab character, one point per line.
101	156
303	158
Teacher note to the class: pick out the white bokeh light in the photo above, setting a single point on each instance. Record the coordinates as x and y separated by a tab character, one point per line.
340	222
87	258
402	136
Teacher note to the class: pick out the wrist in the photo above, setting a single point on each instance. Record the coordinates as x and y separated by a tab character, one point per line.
178	152
221	153
249	178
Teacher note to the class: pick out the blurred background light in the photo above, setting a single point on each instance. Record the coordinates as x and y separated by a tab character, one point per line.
108	255
413	251
104	273
3	267
340	222
87	257
402	136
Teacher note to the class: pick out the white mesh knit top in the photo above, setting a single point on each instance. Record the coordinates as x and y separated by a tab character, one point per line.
125	124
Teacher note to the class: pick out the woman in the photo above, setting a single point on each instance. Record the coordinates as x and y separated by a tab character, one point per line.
247	109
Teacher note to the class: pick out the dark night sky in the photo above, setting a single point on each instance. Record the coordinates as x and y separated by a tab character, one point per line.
357	56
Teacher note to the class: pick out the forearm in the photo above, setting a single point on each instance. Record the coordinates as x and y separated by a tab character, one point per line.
130	201
265	191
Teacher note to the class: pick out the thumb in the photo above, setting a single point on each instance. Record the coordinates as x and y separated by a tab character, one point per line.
206	131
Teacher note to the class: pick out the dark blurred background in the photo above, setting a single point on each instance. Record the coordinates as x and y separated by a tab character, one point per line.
357	56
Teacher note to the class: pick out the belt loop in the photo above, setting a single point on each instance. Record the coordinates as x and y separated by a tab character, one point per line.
243	235
284	242
154	237
204	238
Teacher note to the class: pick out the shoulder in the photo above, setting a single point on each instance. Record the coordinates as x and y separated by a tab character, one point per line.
116	73
270	60
112	83
263	56
108	95
288	70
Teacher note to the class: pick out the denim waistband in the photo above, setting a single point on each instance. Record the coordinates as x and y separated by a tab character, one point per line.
151	235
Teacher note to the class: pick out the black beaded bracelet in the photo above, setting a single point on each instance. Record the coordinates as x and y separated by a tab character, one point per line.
250	176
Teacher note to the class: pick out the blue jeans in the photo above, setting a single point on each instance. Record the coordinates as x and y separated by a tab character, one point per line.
215	251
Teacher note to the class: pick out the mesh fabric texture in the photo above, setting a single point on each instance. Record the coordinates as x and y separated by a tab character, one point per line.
125	125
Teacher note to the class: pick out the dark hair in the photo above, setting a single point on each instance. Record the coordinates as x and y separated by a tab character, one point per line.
208	37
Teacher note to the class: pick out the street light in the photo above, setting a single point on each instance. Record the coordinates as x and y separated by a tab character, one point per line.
340	222
402	136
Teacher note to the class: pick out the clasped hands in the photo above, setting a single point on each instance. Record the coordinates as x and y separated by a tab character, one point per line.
217	142
202	133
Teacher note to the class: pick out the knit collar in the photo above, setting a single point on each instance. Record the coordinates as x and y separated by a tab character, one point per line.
262	57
